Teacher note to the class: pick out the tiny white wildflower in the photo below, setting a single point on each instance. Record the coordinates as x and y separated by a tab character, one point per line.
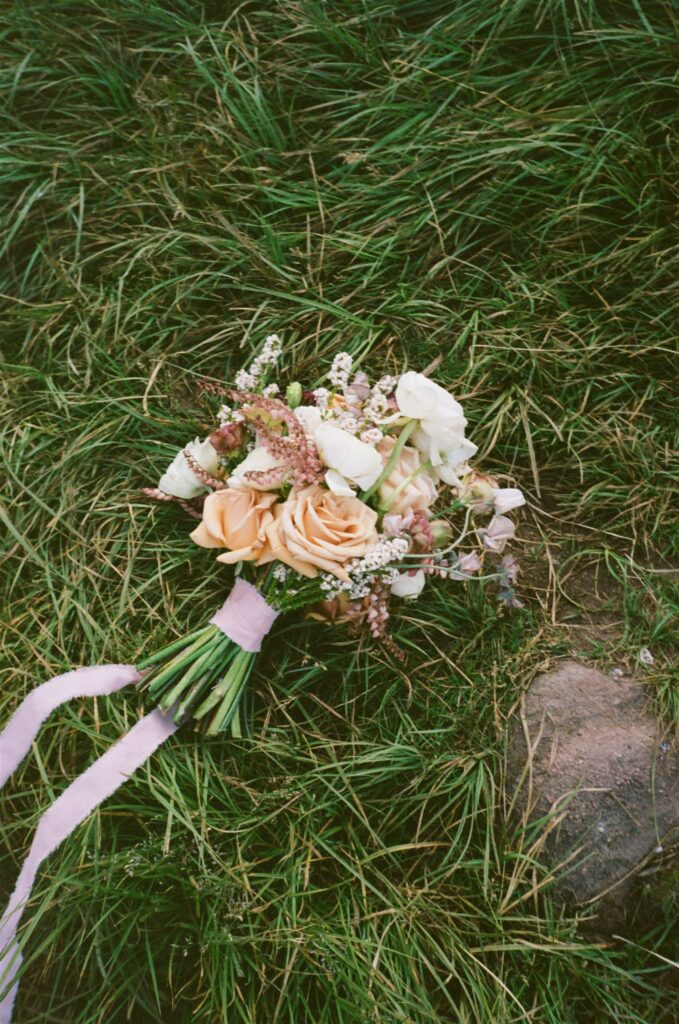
245	380
321	395
372	436
377	406
340	370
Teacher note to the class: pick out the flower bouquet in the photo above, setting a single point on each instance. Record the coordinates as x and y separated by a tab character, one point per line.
324	499
340	500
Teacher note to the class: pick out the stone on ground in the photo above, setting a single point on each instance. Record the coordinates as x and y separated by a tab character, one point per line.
599	764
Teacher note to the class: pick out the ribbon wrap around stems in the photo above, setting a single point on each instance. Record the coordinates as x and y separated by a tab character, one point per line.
245	617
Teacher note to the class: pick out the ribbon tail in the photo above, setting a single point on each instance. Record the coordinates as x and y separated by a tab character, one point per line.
23	726
83	795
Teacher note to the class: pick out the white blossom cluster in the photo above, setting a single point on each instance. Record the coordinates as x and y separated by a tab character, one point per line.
228	415
373	436
362	571
248	380
347	420
340	370
387	550
322	396
377	406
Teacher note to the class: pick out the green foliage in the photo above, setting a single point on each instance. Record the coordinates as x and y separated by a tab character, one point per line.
490	185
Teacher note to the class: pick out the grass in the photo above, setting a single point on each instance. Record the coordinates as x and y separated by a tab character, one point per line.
491	185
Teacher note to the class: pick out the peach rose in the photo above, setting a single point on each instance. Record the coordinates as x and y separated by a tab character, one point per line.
316	529
236	518
408	486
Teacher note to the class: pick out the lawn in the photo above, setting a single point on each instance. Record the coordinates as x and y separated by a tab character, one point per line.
492	186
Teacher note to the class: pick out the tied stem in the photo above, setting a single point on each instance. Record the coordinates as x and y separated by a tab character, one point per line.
171	649
227	694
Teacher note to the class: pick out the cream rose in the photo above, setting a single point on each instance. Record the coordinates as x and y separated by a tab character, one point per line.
408	486
318	530
237	518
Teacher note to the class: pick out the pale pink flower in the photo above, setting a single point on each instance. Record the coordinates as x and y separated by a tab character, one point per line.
499	530
394	525
507	498
468	563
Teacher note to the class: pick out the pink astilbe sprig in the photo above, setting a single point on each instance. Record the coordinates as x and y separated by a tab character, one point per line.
205	478
267	478
213	388
158	495
420	530
374	610
295	450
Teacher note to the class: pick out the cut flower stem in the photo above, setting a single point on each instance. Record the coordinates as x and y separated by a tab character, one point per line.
392	460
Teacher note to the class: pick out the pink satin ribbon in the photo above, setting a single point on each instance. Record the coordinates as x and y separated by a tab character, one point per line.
245	617
23	726
84	794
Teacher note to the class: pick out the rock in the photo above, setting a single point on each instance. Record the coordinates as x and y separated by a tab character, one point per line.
600	767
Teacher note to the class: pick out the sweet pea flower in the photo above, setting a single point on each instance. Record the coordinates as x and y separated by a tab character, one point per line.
395	524
507	498
409	584
349	460
499	530
468	563
440	434
179	480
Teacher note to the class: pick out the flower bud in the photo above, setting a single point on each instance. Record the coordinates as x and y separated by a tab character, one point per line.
293	394
227	438
442	532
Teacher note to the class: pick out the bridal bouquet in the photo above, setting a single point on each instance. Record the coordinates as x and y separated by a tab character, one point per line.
342	500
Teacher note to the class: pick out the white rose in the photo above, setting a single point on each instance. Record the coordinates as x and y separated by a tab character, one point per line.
408	585
440	435
259	460
351	461
179	479
507	498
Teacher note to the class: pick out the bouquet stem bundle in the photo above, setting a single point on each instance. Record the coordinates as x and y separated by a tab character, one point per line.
202	676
